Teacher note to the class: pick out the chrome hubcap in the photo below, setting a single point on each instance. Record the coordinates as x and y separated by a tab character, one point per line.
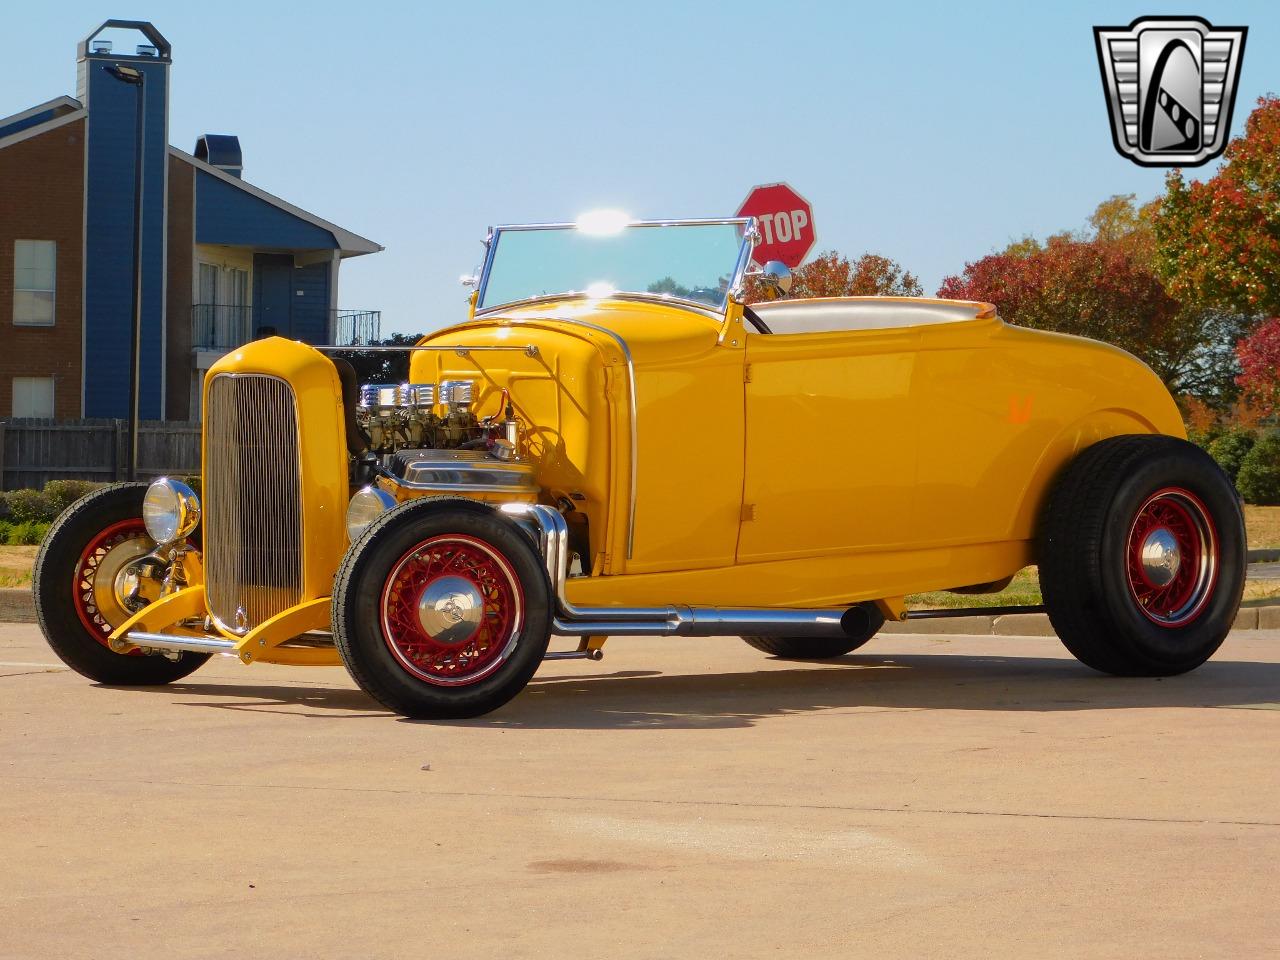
1171	557
1161	557
450	610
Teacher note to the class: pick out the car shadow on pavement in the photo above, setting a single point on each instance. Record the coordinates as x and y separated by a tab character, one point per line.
898	682
288	697
645	700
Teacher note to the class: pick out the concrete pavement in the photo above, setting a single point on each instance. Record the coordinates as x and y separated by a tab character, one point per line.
931	797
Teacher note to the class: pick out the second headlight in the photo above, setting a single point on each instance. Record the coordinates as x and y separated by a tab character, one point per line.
365	507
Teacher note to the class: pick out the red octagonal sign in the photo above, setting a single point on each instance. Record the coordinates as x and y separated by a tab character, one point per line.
786	223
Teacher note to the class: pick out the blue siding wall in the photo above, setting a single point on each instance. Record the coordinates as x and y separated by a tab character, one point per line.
226	214
108	252
26	123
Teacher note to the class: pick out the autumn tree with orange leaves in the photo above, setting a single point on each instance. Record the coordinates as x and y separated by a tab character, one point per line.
832	275
1218	241
1101	283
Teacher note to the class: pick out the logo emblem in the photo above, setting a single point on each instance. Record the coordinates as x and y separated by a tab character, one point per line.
1171	86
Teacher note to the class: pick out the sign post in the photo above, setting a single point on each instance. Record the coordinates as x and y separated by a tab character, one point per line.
786	223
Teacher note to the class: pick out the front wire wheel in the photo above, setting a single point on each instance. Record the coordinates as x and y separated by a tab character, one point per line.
99	592
452	610
85	587
442	609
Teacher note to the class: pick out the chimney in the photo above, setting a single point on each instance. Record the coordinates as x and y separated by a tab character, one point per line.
222	151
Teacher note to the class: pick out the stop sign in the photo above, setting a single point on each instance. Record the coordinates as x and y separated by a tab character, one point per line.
786	223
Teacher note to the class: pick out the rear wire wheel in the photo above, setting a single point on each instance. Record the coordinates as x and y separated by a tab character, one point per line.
442	609
1142	556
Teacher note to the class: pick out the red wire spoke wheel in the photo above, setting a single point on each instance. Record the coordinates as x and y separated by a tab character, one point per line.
86	585
97	577
1141	550
442	609
452	610
1172	557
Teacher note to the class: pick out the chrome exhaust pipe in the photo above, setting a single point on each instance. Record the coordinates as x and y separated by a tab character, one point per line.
719	621
552	533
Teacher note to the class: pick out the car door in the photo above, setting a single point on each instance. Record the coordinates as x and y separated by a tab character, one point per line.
831	442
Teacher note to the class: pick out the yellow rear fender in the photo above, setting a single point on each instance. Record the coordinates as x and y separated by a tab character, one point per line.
1065	447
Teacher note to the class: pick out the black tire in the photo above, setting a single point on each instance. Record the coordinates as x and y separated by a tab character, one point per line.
55	585
368	582
1091	570
820	648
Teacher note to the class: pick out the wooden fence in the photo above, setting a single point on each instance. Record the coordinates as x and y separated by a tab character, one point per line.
35	451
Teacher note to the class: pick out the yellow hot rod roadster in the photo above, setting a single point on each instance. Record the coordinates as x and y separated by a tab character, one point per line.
614	444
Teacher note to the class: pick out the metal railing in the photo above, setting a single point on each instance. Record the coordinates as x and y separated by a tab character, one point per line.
353	327
220	326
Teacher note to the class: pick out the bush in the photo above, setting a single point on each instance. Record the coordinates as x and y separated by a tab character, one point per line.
1204	439
5	528
62	493
27	534
1230	449
1259	477
28	506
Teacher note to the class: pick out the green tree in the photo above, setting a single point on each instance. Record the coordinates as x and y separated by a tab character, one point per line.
384	367
1259	477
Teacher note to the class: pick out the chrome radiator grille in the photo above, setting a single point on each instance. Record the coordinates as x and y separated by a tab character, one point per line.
252	500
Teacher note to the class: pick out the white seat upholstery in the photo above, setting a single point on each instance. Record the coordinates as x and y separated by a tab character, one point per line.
864	313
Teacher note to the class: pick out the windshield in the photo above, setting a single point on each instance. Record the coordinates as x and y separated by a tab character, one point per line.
698	261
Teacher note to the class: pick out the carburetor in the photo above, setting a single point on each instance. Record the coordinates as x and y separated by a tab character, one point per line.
420	416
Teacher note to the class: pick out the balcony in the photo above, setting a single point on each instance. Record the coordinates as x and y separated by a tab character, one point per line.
357	327
220	326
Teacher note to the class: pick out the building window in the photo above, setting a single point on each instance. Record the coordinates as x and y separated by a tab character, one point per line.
33	396
34	264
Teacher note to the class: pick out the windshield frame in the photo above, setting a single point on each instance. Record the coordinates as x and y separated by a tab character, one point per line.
750	237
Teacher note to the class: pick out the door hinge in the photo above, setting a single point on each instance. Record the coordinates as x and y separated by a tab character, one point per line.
748	512
613	381
746	373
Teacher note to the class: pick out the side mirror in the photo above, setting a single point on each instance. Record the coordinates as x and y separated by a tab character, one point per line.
777	276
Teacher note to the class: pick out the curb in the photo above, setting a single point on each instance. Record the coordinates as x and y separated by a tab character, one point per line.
1263	556
1265	617
17	605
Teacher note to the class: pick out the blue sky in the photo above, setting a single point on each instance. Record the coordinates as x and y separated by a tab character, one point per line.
929	132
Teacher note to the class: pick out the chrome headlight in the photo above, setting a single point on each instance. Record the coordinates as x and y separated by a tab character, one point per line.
365	507
170	511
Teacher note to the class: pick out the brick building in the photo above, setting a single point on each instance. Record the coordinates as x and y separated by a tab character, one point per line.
222	260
